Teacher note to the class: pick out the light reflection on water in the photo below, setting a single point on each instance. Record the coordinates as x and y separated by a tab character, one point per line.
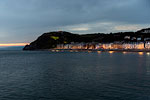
74	75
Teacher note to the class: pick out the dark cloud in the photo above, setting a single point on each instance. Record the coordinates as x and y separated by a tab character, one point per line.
22	20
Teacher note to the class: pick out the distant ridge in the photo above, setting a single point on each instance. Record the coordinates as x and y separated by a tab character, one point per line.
51	39
147	30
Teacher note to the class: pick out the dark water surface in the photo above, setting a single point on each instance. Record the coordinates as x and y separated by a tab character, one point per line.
74	76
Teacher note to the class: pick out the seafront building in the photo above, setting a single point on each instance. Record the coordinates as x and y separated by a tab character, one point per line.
96	46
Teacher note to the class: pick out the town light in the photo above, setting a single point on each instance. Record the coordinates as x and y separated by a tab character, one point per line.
148	53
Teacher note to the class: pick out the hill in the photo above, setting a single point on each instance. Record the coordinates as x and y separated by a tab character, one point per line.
51	39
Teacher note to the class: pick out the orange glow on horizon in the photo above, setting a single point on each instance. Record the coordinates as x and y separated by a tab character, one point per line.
13	44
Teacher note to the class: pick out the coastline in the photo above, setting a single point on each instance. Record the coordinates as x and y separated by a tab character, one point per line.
93	50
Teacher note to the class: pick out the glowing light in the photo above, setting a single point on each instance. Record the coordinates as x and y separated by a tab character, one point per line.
148	53
98	52
71	50
111	52
57	50
13	44
89	51
141	53
124	52
53	50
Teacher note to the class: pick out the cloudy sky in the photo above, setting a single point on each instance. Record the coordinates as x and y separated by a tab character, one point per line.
22	21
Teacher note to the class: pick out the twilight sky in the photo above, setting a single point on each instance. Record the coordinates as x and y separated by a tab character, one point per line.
22	21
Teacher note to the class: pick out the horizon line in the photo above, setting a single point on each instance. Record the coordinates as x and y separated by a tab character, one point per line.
12	44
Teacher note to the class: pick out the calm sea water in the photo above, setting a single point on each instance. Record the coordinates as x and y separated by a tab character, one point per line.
31	75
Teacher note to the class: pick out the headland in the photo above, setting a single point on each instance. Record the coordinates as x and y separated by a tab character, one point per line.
138	41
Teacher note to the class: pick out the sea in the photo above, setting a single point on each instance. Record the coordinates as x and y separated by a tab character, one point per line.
45	75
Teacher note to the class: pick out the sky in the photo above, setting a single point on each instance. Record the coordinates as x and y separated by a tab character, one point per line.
22	21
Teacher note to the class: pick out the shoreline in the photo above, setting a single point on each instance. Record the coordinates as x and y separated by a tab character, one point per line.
93	50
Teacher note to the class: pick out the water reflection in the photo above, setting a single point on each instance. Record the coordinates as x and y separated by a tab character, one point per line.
148	53
140	53
148	63
98	52
124	52
74	76
111	52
